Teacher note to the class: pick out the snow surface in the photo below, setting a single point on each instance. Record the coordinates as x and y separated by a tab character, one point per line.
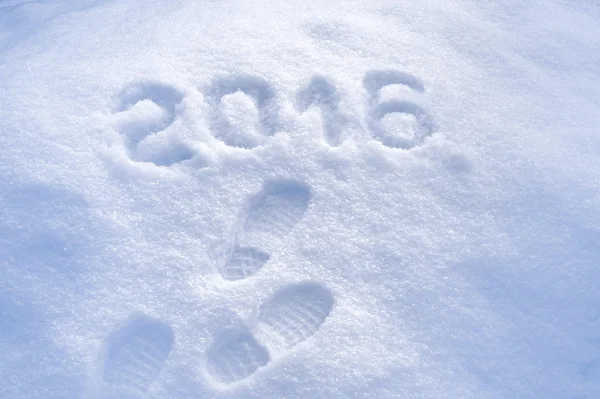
316	199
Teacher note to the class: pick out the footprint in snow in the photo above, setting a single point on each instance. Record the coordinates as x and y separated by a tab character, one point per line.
291	316
267	218
132	357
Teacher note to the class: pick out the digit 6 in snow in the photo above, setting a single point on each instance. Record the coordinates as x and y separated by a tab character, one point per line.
411	123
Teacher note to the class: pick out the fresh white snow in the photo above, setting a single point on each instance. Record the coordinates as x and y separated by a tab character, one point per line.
299	199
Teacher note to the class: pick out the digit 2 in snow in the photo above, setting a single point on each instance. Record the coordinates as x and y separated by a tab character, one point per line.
144	115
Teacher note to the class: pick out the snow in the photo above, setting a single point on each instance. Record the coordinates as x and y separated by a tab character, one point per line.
358	199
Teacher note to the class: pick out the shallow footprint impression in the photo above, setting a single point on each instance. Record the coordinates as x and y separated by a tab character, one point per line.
291	316
134	355
275	210
269	216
